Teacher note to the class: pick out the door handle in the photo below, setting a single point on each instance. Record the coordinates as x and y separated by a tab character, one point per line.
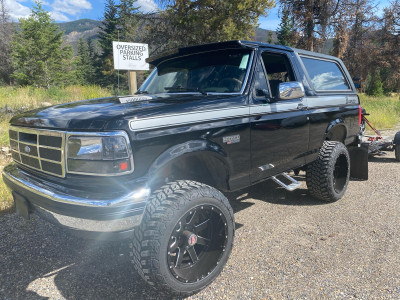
301	106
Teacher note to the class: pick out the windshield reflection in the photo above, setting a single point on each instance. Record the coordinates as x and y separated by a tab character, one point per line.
222	71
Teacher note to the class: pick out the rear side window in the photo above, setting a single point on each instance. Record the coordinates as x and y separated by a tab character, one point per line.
325	75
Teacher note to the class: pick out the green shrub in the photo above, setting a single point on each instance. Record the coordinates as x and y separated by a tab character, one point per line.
375	86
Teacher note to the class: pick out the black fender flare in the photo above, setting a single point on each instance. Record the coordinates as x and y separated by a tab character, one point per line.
336	131
207	153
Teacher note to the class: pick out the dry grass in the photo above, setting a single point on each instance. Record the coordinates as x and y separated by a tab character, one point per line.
385	111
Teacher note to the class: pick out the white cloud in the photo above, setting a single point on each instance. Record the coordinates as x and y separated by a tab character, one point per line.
328	81
147	5
70	7
56	15
16	10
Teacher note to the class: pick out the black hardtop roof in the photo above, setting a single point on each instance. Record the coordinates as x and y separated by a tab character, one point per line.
237	44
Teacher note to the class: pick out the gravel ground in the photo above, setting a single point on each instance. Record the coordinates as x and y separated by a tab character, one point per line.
287	246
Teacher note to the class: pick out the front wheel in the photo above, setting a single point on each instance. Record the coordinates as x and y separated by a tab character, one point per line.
328	176
185	238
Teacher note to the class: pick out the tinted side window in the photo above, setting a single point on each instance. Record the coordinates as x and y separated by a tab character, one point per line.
325	75
278	70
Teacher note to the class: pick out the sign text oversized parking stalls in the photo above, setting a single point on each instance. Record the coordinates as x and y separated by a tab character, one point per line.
130	56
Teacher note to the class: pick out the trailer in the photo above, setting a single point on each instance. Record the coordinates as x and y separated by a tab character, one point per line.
377	144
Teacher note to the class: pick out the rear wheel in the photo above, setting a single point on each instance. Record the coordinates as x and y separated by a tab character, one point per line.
327	177
397	152
396	142
185	238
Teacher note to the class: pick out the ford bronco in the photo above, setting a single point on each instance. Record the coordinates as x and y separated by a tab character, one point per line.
152	167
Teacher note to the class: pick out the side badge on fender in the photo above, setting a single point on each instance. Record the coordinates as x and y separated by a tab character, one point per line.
232	139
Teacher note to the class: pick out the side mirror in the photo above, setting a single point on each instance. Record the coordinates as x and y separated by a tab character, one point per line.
291	90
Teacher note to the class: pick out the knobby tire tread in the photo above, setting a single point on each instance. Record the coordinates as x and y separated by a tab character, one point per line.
317	181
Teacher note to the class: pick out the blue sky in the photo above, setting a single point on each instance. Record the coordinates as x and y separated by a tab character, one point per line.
70	10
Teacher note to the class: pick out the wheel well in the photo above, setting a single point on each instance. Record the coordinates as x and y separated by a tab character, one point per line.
337	134
204	169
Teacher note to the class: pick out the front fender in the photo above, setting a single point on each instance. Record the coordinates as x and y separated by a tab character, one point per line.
211	159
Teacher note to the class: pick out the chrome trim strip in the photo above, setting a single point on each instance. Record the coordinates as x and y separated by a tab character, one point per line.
188	118
100	134
276	107
327	101
136	196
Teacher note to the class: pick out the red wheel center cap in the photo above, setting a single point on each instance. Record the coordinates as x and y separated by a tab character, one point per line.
192	240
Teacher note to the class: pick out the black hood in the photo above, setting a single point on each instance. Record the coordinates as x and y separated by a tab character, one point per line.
95	114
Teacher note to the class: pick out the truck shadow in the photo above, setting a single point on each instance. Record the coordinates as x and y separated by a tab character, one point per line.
382	159
270	192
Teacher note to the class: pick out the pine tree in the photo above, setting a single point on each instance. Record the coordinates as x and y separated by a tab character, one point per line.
270	39
192	22
285	30
38	53
6	31
85	63
128	19
375	86
109	32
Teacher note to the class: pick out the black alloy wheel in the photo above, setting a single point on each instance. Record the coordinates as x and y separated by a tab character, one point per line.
197	243
340	173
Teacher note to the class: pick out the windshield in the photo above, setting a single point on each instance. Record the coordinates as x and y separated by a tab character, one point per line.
221	71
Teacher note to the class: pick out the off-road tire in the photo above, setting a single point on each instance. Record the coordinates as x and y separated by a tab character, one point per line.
396	142
322	178
150	244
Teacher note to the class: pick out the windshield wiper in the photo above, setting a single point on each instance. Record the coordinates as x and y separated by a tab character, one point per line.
177	89
141	92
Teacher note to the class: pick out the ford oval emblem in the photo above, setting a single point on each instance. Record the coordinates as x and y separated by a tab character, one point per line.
27	149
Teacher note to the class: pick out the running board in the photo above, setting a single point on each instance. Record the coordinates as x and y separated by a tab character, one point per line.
291	187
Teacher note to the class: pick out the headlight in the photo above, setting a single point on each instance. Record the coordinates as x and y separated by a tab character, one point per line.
99	155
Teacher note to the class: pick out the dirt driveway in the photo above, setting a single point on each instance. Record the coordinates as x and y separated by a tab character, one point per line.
287	246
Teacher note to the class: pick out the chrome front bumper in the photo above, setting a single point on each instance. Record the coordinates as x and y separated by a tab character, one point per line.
78	210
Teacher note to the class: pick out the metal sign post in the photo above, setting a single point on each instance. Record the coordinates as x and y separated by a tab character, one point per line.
130	57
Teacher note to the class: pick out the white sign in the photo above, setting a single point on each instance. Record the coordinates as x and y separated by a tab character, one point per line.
130	56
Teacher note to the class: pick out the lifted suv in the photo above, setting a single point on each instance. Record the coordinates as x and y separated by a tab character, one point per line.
151	167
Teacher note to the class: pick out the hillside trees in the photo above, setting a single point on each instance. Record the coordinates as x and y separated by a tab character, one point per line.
389	43
38	53
6	31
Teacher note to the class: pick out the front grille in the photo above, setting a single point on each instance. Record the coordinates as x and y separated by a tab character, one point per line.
38	149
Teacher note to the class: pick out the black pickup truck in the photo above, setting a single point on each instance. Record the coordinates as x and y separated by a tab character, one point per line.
152	167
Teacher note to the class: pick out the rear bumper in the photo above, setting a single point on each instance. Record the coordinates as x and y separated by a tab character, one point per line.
79	210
